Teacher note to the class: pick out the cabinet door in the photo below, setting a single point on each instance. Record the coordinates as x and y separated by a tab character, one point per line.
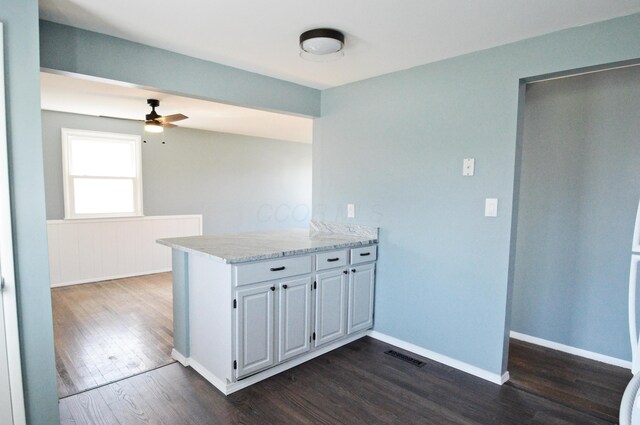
294	321
331	306
361	281
254	328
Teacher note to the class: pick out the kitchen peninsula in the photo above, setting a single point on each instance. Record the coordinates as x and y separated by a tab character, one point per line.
248	306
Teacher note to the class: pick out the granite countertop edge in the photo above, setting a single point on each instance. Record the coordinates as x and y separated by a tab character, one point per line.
268	256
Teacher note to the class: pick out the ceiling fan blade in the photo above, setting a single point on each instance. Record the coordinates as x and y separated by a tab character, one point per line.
120	118
171	118
168	125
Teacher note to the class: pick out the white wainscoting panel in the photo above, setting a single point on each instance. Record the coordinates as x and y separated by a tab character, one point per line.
82	251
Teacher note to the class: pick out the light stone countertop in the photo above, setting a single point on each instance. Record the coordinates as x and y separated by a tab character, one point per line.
243	247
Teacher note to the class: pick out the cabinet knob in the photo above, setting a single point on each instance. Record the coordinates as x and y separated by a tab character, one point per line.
284	286
346	272
273	288
353	270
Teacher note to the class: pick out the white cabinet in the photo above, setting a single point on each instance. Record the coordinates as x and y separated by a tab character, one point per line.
256	308
254	328
294	318
361	287
280	268
248	321
331	259
365	254
344	297
331	306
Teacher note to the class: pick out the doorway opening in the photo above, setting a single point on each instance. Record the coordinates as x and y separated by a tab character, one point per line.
226	169
577	202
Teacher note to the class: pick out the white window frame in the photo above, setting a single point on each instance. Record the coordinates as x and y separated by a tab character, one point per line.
69	134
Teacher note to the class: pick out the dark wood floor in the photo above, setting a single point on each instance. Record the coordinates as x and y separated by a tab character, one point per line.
115	336
574	381
111	330
356	384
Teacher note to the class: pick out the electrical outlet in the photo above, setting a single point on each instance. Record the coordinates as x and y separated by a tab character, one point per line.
491	207
351	211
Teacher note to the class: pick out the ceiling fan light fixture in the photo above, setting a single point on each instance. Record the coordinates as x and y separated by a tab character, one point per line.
321	45
152	126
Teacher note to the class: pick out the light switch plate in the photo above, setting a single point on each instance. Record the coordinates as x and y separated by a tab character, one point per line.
491	207
351	211
468	166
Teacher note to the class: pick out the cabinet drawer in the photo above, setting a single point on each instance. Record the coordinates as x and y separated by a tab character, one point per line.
271	269
330	260
364	254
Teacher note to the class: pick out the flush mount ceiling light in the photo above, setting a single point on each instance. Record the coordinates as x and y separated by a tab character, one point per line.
321	45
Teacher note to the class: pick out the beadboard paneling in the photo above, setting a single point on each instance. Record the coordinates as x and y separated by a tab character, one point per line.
83	251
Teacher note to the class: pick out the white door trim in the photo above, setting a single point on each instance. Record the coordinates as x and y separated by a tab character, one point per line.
6	258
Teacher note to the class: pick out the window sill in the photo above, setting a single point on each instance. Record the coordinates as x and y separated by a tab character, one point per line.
103	217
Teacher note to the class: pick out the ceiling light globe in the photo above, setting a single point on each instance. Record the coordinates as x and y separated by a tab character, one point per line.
321	44
153	127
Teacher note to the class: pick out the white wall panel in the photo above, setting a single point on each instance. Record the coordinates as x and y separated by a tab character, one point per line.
83	251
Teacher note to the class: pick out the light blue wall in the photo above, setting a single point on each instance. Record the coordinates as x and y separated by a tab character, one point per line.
578	197
22	84
238	183
394	146
70	49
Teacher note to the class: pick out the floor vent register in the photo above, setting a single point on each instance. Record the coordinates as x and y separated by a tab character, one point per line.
405	358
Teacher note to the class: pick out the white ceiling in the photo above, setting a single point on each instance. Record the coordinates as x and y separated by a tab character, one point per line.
87	97
382	36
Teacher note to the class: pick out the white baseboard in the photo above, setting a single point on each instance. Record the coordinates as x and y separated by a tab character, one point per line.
227	387
221	385
184	361
456	364
571	350
103	278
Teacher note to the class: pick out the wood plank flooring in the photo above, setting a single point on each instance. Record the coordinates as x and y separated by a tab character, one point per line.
116	337
355	384
110	330
574	381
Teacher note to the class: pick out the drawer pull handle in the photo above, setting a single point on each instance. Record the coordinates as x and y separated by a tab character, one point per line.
284	286
331	260
277	269
364	254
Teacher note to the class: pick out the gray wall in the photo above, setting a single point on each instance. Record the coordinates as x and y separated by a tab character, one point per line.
238	183
394	146
22	85
578	197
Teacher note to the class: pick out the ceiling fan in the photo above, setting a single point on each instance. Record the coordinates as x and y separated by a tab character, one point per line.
155	123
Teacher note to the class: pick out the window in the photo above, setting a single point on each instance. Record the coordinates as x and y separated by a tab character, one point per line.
101	173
